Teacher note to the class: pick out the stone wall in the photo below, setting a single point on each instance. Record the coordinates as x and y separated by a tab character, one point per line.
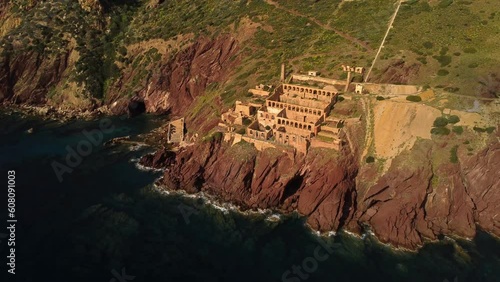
306	78
297	108
299	142
296	126
254	131
305	103
309	92
336	144
259	92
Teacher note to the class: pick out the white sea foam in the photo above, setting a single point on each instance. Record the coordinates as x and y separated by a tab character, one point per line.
221	206
136	147
144	168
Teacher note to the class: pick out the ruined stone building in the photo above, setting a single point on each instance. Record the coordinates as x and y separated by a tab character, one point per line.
293	115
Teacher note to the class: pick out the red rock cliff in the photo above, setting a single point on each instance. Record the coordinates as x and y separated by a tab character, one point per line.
401	207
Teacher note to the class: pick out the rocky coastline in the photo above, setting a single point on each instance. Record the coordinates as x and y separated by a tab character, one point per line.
334	193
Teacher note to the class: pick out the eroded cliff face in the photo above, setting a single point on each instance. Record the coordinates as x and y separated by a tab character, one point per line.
414	201
29	77
405	207
317	185
70	55
26	78
176	82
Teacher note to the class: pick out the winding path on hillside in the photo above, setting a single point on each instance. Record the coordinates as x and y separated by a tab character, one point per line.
322	25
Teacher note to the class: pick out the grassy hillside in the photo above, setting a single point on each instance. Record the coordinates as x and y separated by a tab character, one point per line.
450	45
454	42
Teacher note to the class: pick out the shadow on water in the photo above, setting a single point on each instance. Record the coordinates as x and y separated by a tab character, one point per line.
105	216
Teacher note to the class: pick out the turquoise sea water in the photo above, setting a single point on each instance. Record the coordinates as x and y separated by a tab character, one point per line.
105	222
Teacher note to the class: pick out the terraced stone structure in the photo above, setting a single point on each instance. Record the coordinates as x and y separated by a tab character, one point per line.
294	115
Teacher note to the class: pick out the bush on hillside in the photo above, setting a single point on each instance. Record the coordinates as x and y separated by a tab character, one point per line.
440	122
458	129
440	131
414	98
453	119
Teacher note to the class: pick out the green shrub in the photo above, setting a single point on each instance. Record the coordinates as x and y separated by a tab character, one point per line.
380	98
440	131
453	119
340	99
443	60
428	44
479	129
268	127
442	72
414	98
444	3
216	136
490	129
241	131
440	122
453	154
247	121
370	159
457	129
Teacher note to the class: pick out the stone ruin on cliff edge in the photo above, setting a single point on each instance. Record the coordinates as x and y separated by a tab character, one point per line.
293	115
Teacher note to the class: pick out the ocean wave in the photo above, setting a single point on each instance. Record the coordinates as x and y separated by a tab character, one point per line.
143	167
225	208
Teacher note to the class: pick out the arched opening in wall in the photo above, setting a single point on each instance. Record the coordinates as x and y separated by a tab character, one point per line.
251	131
267	116
315	92
279	121
261	115
272	117
309	127
296	125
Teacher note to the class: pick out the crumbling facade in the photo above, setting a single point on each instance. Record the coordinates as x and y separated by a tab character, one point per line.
293	115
